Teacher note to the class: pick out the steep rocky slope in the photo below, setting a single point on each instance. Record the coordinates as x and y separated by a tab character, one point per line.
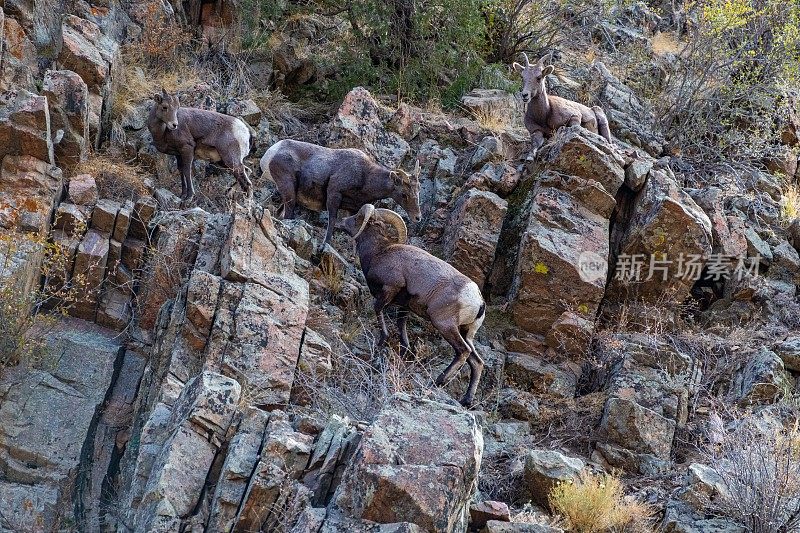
217	374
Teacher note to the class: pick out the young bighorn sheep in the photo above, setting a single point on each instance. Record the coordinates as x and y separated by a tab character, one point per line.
544	113
321	178
412	279
189	133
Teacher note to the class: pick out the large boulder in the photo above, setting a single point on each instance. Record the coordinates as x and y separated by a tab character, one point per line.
89	272
359	123
668	231
194	434
418	462
471	235
25	125
494	107
578	152
91	55
68	97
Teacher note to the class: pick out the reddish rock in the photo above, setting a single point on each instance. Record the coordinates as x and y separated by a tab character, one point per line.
89	272
104	215
562	259
482	512
28	189
666	227
83	190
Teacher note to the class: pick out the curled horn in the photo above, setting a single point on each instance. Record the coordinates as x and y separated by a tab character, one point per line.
547	58
368	210
397	221
527	61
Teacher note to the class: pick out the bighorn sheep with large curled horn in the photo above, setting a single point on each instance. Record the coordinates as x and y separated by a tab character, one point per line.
544	113
412	279
189	133
321	178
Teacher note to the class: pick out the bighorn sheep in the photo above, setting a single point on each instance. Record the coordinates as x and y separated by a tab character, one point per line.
189	133
320	178
545	113
411	278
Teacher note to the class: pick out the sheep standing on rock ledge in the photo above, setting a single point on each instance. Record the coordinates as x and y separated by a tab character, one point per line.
189	133
544	114
411	278
318	178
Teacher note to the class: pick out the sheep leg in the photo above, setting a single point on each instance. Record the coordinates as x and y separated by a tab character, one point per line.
334	200
476	369
383	299
602	123
187	157
179	162
574	120
402	320
449	331
286	188
537	140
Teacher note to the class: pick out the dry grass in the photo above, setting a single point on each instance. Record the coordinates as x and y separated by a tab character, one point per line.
790	204
666	43
116	178
490	121
596	503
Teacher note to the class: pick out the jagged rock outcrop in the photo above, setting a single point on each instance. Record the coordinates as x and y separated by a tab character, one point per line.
68	99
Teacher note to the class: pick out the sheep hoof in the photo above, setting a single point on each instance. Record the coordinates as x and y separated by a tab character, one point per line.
466	402
440	380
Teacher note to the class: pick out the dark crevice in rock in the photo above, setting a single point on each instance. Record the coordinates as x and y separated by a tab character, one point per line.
83	493
501	275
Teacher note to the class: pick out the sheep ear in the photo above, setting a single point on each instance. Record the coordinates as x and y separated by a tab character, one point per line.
519	68
548	70
157	98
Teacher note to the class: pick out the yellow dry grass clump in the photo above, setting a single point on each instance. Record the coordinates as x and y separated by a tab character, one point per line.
790	205
596	503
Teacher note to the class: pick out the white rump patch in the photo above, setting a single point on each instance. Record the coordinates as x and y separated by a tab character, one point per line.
471	302
242	135
267	158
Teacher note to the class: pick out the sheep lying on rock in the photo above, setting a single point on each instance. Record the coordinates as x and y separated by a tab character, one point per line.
544	113
412	279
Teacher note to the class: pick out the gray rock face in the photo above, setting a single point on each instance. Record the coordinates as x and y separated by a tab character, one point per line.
47	414
25	126
417	462
472	232
360	123
546	468
68	98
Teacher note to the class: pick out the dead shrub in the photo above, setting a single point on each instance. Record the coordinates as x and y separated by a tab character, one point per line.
760	470
116	178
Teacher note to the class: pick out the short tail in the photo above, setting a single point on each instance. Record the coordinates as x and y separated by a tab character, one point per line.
481	311
602	122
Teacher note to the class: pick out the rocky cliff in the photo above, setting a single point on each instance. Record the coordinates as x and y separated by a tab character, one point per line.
205	369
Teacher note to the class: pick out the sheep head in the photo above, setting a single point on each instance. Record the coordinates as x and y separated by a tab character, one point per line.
386	222
406	191
533	76
167	108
